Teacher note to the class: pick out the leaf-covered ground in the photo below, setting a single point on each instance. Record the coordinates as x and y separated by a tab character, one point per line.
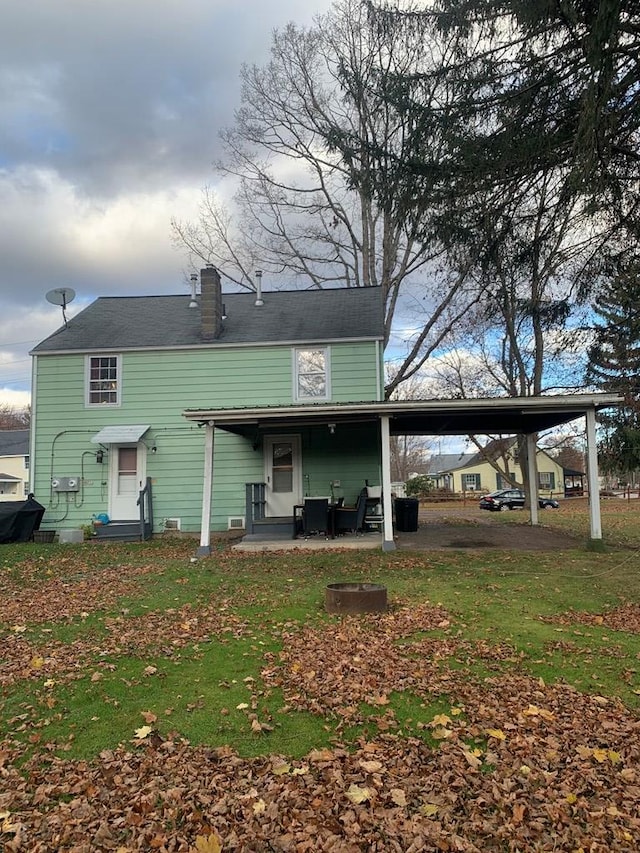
490	761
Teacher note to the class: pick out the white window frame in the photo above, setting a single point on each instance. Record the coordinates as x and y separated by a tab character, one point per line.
303	398
476	483
546	480
87	381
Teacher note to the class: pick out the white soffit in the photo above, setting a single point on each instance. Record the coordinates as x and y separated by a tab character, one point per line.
127	434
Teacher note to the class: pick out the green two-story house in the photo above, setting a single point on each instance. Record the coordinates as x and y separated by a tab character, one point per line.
113	389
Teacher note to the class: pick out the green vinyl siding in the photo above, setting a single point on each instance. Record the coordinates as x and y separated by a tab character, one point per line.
351	455
156	388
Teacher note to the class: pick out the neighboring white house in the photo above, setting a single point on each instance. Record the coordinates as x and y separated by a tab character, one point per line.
14	464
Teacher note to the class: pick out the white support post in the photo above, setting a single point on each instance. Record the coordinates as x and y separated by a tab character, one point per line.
205	525
592	476
387	526
532	477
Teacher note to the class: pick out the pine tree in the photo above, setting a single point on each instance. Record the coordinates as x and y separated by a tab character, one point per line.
614	365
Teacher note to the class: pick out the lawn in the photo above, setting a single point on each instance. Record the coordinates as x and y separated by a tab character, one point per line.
154	702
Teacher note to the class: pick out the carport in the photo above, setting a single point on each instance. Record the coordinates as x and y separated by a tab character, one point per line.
505	416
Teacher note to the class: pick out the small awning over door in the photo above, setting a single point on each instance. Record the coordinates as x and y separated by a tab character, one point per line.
123	434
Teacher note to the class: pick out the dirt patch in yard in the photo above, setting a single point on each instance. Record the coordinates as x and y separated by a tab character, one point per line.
469	528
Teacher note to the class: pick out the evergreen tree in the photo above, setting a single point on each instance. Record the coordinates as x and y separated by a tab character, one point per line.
614	364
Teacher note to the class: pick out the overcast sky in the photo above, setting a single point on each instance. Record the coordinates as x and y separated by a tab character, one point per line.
109	120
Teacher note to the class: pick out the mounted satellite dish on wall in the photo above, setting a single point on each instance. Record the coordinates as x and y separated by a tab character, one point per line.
61	296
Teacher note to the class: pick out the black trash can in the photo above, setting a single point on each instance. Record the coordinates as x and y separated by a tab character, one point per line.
407	514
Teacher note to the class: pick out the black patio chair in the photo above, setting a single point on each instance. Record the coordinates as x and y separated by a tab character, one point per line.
315	517
352	518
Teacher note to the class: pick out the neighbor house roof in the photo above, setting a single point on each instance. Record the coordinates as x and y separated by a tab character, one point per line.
14	442
492	451
140	322
445	462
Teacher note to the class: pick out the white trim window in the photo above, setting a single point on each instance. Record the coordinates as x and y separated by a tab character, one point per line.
471	482
311	381
103	380
546	480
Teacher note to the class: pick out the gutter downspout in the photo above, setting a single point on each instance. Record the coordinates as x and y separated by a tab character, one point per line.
204	550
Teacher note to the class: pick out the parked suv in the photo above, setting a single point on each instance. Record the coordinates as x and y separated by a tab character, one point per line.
512	499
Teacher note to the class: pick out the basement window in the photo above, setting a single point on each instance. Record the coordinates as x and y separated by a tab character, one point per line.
103	380
311	374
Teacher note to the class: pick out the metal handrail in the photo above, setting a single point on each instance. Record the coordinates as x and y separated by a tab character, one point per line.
145	503
255	504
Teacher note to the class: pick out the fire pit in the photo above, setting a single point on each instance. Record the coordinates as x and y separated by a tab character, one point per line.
355	598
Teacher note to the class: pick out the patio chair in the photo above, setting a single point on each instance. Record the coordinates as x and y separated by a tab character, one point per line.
352	518
315	517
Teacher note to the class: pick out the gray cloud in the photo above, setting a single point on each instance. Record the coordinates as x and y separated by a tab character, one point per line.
109	119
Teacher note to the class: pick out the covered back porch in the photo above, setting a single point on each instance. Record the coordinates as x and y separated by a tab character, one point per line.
505	416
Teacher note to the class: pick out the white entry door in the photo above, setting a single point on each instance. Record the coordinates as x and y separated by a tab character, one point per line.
283	474
126	478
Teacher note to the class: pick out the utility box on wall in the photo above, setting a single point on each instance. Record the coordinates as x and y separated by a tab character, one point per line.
65	484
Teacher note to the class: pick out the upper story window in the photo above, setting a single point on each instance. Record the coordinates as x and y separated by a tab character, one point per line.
311	379
26	463
103	380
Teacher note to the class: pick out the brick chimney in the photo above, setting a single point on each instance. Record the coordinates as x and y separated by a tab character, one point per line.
210	303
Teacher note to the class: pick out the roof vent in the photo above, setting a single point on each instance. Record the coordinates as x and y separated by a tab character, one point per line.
259	300
194	279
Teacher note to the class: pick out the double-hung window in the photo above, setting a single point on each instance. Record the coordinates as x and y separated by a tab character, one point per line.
311	374
546	480
103	380
471	482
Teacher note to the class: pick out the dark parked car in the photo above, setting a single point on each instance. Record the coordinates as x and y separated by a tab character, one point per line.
512	499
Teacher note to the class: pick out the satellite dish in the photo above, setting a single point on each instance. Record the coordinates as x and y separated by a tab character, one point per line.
61	296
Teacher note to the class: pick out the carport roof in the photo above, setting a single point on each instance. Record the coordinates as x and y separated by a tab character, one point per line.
503	415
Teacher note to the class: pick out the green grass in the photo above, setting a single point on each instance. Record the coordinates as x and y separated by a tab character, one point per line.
195	689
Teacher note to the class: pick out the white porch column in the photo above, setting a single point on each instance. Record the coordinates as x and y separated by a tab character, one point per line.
387	527
532	476
592	476
205	525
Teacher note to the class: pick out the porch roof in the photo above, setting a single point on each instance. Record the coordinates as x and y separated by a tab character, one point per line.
504	415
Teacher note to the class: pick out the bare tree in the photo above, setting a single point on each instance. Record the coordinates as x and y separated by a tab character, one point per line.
297	211
12	418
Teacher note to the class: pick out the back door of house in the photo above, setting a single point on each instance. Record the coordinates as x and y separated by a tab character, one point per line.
283	474
126	478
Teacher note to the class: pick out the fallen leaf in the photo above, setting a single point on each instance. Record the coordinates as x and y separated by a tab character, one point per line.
496	733
440	720
143	732
371	766
428	809
259	807
357	794
149	716
399	797
207	844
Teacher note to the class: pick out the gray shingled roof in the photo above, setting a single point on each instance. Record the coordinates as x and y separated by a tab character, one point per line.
14	442
446	462
130	322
